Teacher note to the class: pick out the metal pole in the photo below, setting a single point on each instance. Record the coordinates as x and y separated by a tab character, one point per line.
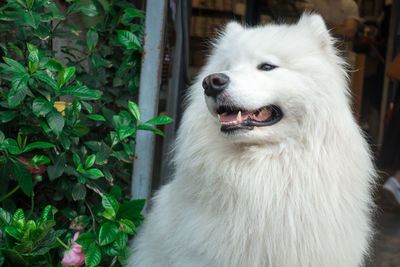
176	84
150	79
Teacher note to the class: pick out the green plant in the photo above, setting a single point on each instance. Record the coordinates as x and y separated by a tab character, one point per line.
68	116
28	242
111	237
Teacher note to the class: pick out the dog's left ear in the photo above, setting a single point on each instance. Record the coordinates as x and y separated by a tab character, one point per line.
317	24
233	27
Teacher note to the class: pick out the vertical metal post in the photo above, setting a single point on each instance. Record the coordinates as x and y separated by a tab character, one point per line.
176	84
150	80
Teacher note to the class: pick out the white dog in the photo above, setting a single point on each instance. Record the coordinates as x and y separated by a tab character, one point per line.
271	167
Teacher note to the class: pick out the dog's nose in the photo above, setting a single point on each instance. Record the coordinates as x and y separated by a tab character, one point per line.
215	83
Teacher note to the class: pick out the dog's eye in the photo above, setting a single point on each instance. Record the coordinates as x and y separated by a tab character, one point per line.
266	67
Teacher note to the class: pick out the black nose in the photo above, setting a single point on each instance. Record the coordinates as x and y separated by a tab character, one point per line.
215	83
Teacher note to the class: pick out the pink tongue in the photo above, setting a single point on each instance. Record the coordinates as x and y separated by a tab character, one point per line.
233	117
262	117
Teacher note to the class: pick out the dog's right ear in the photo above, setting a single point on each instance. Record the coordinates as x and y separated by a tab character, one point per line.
233	28
316	23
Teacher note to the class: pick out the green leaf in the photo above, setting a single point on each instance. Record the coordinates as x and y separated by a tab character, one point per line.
98	61
32	19
87	106
130	14
77	159
109	202
19	140
38	145
44	126
113	138
5	217
24	178
116	191
131	209
90	161
44	77
87	9
134	109
33	58
86	240
64	75
18	219
81	91
121	240
121	155
129	39
80	169
93	256
109	214
40	106
79	192
76	106
16	67
42	32
55	12
6	116
65	142
12	146
150	128
40	159
54	65
94	173
56	121
43	229
160	120
19	89
33	50
56	170
12	231
16	50
111	250
95	117
46	215
125	131
122	119
108	233
92	38
127	226
2	137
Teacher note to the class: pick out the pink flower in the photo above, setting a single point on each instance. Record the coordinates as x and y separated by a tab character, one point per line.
31	169
74	255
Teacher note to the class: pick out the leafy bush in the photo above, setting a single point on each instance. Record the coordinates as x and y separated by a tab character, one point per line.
67	129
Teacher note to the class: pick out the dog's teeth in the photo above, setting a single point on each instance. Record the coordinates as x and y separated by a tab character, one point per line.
219	117
239	116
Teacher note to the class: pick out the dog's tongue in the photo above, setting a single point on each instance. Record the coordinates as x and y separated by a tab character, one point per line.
236	117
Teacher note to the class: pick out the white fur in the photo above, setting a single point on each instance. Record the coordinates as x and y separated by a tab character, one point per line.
297	193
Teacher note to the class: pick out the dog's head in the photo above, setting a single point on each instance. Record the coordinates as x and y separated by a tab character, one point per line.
268	81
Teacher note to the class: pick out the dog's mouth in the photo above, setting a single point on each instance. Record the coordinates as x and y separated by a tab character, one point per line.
235	118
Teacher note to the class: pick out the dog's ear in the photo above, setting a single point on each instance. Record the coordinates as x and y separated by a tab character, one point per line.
232	28
318	27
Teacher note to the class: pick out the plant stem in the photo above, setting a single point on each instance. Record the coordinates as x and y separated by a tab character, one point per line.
9	193
91	213
62	243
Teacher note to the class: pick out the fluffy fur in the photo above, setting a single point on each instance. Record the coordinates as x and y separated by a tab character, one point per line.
297	193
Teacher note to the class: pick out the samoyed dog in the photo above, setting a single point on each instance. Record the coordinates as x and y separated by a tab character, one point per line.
271	167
